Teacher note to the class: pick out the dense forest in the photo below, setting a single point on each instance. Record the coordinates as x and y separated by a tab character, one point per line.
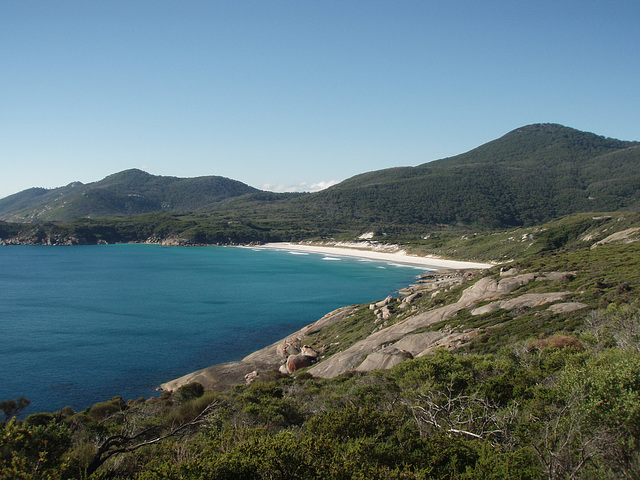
534	392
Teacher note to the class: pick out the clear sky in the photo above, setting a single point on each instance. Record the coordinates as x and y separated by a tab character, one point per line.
287	95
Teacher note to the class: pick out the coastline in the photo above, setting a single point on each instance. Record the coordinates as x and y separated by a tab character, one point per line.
366	251
270	357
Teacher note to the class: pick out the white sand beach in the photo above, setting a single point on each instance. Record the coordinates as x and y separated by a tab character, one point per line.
398	256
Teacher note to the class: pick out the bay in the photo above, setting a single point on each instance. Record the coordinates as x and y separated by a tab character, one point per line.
82	324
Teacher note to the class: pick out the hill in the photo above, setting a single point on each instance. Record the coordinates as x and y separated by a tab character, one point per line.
126	193
531	175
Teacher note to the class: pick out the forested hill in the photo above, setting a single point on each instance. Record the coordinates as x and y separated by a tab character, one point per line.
530	175
130	192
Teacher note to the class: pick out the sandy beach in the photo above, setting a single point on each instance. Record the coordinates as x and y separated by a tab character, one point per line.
398	256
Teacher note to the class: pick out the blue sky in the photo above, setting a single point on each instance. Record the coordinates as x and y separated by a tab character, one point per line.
287	95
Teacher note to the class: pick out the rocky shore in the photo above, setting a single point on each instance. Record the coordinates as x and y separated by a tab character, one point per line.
292	353
400	329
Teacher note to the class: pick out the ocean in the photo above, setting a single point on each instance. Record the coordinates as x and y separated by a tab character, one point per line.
83	324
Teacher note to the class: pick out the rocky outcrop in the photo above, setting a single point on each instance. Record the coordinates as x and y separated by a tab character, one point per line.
629	235
291	346
381	309
296	356
383	359
66	240
567	307
508	272
175	242
528	300
296	362
388	345
218	377
376	351
381	303
438	280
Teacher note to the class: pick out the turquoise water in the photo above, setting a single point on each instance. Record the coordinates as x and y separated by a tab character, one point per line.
83	324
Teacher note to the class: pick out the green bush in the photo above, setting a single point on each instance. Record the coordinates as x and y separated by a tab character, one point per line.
101	411
37	419
265	402
190	391
33	451
189	410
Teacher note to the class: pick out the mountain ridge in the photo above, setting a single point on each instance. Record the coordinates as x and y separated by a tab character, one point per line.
530	175
125	193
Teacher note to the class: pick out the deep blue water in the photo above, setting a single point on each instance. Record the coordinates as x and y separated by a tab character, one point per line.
82	324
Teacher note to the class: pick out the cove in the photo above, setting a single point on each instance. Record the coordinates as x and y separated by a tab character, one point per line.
85	323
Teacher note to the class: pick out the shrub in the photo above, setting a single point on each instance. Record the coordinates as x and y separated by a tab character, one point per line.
190	391
352	422
39	419
189	409
67	411
266	402
102	410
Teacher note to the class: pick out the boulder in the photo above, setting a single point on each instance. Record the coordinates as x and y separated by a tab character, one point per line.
296	362
629	235
383	360
251	377
381	303
504	272
557	276
290	346
408	300
308	351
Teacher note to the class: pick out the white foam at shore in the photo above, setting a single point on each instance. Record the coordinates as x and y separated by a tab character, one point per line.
398	257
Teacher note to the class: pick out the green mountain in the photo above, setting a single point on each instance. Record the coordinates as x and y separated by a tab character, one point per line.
127	193
530	175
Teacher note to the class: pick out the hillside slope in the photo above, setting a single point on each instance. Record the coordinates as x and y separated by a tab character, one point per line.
528	176
126	193
455	308
531	175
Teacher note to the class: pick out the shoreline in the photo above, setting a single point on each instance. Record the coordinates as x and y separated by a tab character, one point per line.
356	251
228	374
